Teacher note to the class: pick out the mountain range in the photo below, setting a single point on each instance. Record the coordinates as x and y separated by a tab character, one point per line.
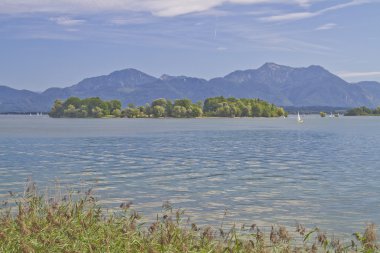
278	84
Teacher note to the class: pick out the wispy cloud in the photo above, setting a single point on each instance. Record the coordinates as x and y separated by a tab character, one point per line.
67	21
165	8
196	31
359	74
70	35
327	26
221	48
303	15
129	20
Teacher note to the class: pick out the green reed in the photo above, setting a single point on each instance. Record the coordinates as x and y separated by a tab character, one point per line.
76	223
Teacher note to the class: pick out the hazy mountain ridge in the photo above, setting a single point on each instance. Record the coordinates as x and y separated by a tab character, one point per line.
281	85
12	100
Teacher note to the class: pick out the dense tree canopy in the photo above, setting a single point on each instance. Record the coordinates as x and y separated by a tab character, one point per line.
363	111
232	107
75	107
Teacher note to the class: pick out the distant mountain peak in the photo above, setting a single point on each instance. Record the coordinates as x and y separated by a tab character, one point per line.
270	65
273	66
240	76
321	72
128	71
121	81
183	78
317	67
266	71
166	77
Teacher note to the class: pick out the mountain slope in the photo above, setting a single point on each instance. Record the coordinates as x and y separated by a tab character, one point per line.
371	90
282	85
12	100
114	85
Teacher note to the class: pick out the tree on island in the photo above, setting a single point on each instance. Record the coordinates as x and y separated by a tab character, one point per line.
75	107
232	107
363	111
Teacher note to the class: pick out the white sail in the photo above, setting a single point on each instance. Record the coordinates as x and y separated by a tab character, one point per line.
299	118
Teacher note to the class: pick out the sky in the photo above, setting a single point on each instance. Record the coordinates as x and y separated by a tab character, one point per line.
57	43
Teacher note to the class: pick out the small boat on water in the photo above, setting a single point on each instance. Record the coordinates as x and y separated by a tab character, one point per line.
299	119
335	115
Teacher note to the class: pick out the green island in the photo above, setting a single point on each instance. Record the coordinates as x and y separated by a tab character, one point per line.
363	111
75	107
75	222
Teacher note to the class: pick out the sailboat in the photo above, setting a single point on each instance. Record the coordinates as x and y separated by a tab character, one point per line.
299	120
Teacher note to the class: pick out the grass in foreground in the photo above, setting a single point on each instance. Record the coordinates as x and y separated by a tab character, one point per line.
78	224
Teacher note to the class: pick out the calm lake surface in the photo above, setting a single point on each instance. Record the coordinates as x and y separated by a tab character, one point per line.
264	171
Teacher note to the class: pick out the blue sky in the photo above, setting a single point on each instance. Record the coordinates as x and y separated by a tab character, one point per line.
47	43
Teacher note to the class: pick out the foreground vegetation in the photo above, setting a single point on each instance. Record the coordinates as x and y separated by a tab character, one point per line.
181	108
73	223
363	111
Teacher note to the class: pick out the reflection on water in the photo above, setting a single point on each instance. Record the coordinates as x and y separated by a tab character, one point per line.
261	170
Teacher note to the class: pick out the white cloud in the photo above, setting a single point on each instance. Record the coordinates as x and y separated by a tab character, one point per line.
327	26
156	7
359	74
302	15
67	21
129	20
289	16
221	48
72	30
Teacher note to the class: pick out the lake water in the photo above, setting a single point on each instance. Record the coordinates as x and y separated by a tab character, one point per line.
264	171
